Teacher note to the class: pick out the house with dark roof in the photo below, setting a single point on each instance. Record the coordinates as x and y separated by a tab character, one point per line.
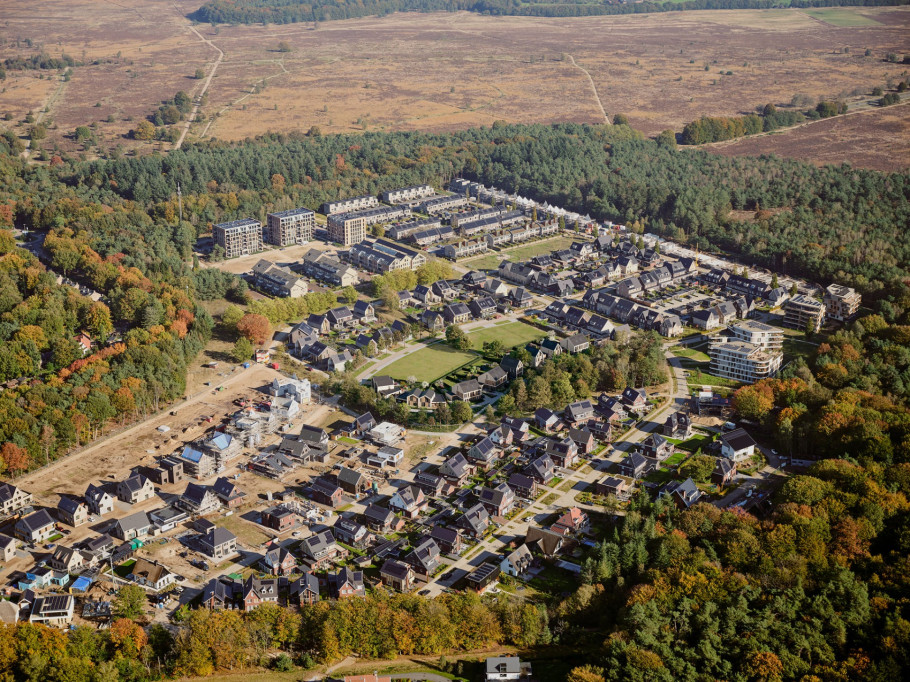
583	439
258	591
218	543
346	583
636	466
135	489
613	485
522	485
602	430
305	590
482	577
563	452
136	525
320	549
408	501
351	481
470	389
498	501
397	575
456	313
447	539
381	519
424	557
576	343
351	533
483	453
279	518
656	447
678	425
456	469
72	511
220	593
737	445
313	435
228	493
493	378
99	501
277	560
424	399
543	541
724	472
684	493
546	420
517	562
198	499
475	521
327	493
579	411
432	485
386	386
542	469
36	527
362	424
151	574
512	366
482	307
635	398
521	298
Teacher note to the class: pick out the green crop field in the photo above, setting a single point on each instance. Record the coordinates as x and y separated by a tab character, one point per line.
428	364
511	334
840	16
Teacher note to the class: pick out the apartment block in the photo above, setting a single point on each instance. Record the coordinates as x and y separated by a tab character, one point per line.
841	303
412	193
758	334
744	362
347	205
347	228
802	311
382	255
278	281
295	226
238	237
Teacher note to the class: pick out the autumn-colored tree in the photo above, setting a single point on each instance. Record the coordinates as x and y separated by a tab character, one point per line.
128	637
256	328
15	458
586	673
143	131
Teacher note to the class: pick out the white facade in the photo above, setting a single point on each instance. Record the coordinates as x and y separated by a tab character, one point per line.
758	334
745	362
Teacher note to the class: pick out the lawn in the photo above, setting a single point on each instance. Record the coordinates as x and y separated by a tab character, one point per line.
429	363
245	531
692	444
690	353
519	253
795	348
511	334
675	459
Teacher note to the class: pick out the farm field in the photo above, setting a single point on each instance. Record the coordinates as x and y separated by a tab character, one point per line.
511	334
431	71
492	260
428	364
877	138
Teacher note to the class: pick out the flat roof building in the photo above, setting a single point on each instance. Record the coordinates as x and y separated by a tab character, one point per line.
841	303
801	312
757	333
238	237
745	362
295	226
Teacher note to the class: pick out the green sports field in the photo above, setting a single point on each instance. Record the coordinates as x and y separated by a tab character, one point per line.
428	364
511	334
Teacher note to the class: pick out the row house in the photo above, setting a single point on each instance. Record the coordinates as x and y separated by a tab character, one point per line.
326	268
442	203
411	193
403	230
278	281
432	235
464	248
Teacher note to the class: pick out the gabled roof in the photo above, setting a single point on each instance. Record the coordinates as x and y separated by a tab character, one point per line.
346	475
738	439
476	518
40	519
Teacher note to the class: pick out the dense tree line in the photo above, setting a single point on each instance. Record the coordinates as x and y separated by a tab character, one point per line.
290	11
39	61
717	129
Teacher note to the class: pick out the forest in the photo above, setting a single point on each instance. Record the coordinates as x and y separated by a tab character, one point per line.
290	11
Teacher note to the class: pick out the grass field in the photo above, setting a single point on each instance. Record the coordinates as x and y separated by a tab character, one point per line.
511	334
428	364
794	348
691	354
841	17
519	253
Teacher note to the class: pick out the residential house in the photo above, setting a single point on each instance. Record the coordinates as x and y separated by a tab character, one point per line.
523	486
635	466
305	590
572	522
684	493
724	472
498	501
543	541
346	583
277	560
55	609
72	511
483	453
364	312
576	343
705	319
583	439
456	313
137	488
66	559
469	389
279	518
386	457
12	499
151	574
613	485
320	549
475	521
408	501
447	539
424	399
564	452
542	469
444	290
424	557
482	307
353	482
601	430
431	484
521	298
36	527
737	445
218	543
537	355
386	386
432	320
551	347
220	593
381	519
456	469
425	295
258	591
228	493
482	577
341	318
678	425
313	436
493	378
397	575
546	420
136	525
199	499
7	548
517	562
580	411
635	399
512	366
656	447
351	533
327	493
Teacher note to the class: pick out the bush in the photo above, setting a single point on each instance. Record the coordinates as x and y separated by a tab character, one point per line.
283	663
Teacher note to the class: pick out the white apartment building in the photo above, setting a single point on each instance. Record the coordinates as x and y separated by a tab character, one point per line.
745	362
411	193
352	204
758	334
238	237
841	303
295	226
